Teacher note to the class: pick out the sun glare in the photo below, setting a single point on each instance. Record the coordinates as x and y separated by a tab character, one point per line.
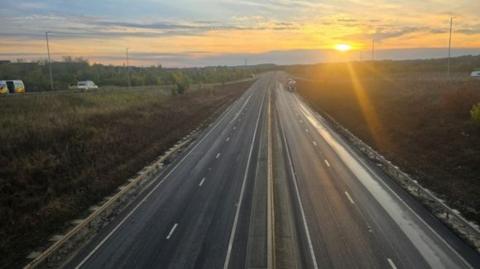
343	47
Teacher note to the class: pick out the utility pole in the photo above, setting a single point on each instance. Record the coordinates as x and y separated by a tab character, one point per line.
128	72
49	62
450	46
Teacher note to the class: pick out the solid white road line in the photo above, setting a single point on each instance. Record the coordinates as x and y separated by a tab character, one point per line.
327	163
349	197
90	254
392	264
239	202
314	143
201	182
218	155
299	200
172	231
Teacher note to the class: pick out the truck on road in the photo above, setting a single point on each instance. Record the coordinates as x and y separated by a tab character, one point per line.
291	85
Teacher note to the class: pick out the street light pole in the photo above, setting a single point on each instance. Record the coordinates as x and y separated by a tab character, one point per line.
49	62
128	72
450	46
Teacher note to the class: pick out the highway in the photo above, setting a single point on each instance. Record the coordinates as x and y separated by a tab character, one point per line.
269	185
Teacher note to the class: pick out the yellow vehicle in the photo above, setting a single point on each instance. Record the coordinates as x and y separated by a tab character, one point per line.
3	87
15	86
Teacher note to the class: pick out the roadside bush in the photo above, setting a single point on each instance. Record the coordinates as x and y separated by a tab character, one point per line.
475	113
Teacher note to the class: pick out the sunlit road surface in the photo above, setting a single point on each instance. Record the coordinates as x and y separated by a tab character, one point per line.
209	208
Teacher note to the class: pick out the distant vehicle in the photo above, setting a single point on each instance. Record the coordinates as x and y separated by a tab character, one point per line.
85	85
475	74
11	86
292	85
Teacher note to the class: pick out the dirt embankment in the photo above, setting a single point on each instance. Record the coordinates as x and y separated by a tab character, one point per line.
62	153
420	121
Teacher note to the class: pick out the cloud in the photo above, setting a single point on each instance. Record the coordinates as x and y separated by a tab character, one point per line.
173	29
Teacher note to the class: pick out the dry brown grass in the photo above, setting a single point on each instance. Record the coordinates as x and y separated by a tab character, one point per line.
62	153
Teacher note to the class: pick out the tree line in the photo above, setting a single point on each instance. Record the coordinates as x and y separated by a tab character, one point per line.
35	75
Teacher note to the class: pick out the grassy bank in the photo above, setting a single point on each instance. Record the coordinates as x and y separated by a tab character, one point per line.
62	153
418	119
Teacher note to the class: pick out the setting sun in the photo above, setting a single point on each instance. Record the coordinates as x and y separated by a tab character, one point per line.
343	47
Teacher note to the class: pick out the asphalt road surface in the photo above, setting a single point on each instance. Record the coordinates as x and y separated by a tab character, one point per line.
270	185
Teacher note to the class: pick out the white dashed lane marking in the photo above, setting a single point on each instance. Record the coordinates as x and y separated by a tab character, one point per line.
349	197
172	231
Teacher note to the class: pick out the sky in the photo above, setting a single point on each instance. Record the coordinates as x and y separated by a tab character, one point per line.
231	32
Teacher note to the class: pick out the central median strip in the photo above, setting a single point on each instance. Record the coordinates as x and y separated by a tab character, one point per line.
270	198
242	191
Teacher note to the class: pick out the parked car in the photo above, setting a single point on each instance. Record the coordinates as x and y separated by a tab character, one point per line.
11	86
86	85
